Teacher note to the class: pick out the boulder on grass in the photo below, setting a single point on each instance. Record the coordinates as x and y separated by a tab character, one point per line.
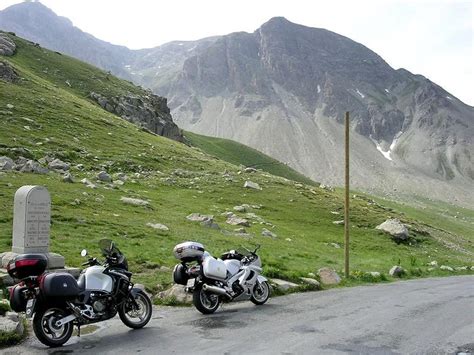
252	185
395	228
134	201
238	221
158	226
197	217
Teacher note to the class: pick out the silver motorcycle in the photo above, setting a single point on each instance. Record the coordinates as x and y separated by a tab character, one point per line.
57	302
235	276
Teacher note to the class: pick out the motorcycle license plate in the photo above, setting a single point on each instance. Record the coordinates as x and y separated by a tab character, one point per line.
30	306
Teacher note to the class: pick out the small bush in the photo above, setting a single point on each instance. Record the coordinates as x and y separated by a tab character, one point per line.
9	339
416	272
4	307
358	275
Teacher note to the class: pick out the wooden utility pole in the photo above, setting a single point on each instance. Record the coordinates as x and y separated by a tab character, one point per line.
346	205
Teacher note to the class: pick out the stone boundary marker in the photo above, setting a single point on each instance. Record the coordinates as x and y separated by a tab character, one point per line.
31	220
31	229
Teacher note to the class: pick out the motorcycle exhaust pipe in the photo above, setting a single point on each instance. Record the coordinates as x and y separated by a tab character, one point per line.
216	290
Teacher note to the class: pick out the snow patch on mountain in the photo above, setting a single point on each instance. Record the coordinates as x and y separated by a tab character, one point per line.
361	94
387	154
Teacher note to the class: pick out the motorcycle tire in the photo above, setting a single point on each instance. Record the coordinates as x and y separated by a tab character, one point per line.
260	293
46	332
128	314
206	303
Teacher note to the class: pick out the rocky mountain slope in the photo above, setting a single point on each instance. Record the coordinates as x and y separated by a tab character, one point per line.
284	89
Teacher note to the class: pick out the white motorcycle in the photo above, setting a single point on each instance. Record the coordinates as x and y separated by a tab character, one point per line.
233	277
58	301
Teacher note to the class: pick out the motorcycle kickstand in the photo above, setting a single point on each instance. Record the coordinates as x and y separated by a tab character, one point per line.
79	330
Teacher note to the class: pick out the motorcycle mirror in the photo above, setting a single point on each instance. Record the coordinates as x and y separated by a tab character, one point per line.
83	252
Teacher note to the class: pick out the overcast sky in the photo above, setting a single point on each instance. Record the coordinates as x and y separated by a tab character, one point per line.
429	37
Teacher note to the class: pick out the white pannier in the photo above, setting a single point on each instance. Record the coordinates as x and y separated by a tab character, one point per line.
214	268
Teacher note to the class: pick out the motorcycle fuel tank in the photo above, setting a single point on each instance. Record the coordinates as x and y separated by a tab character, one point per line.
214	268
96	279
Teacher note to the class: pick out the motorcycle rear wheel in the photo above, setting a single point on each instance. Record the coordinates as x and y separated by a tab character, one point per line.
46	330
260	293
205	302
136	318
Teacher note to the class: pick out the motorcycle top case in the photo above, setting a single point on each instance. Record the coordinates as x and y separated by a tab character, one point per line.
214	268
59	284
188	251
25	265
17	298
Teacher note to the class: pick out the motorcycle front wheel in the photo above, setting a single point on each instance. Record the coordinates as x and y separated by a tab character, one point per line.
44	326
260	293
205	302
133	316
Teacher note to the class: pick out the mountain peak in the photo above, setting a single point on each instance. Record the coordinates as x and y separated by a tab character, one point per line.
278	19
28	11
278	22
29	5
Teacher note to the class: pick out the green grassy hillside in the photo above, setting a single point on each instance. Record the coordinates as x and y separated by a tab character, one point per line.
239	154
51	118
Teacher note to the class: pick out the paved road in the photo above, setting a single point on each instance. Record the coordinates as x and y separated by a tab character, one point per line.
430	316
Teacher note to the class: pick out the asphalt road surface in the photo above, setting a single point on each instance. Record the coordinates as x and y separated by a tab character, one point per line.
429	316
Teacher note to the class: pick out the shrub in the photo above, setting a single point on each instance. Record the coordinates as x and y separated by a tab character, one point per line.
4	307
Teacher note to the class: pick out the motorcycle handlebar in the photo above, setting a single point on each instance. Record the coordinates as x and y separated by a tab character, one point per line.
91	262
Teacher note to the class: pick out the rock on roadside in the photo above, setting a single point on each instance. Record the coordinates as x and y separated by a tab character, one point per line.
329	276
177	292
312	282
396	271
283	285
12	324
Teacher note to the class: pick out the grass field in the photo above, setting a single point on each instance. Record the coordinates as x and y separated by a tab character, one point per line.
51	118
239	154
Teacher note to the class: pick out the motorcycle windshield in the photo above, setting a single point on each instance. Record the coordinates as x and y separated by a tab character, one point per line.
108	247
243	251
